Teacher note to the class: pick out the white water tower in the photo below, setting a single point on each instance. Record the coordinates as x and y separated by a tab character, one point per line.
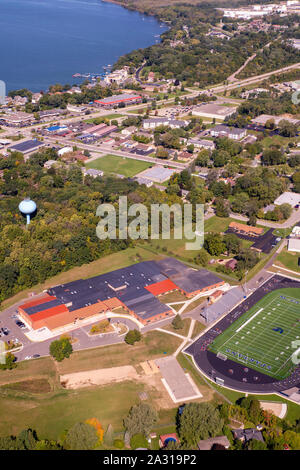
27	207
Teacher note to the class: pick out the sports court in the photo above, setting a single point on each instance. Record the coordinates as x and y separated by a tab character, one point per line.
262	337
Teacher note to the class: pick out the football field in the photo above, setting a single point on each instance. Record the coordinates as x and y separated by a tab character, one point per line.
263	337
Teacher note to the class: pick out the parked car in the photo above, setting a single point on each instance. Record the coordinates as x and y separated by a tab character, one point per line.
35	356
20	324
5	331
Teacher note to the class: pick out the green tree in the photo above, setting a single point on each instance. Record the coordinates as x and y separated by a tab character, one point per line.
140	419
177	323
133	336
214	244
81	436
199	421
137	441
61	349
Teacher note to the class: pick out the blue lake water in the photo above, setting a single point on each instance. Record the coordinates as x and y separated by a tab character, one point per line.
43	42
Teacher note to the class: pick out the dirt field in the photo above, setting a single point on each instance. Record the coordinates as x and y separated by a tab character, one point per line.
275	408
149	376
98	377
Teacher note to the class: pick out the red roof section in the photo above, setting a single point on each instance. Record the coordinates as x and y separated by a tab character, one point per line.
118	101
42	300
48	313
161	287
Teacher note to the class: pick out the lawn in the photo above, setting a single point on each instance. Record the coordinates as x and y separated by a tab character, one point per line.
262	337
27	402
288	260
183	331
154	344
198	328
52	413
113	164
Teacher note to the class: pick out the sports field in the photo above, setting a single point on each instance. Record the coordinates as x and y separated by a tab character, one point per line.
112	164
262	337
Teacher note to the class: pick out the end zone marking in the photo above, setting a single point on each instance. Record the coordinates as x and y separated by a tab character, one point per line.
248	321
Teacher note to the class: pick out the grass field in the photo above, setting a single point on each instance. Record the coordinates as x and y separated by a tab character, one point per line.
119	165
262	338
288	260
31	395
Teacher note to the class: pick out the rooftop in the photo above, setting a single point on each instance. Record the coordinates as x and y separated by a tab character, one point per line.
288	198
246	228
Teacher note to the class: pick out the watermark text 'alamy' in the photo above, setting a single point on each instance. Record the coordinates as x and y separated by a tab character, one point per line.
137	221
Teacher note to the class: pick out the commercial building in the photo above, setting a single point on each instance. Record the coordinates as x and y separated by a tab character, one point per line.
246	229
116	100
263	118
293	199
157	174
64	151
134	288
294	245
214	111
76	109
27	146
18	119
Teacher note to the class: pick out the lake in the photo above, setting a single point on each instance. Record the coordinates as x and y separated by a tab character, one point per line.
47	41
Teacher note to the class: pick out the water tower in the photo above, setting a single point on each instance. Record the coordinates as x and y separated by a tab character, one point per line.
27	207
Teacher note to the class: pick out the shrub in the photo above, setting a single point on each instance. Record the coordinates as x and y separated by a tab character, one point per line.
119	444
177	323
132	337
138	440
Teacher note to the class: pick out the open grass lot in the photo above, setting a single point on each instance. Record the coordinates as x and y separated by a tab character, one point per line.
153	345
183	331
198	328
31	395
278	139
52	413
262	337
103	265
119	165
288	260
37	369
221	224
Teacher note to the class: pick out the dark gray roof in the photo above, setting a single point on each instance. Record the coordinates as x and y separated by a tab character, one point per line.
248	434
227	129
129	285
188	279
42	307
226	303
27	145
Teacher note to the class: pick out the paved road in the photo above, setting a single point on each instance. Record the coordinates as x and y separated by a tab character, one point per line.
42	348
290	222
121	153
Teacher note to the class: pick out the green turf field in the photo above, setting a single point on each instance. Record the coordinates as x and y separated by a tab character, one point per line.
111	164
262	337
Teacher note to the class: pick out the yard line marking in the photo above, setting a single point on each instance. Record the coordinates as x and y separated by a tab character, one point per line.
248	321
